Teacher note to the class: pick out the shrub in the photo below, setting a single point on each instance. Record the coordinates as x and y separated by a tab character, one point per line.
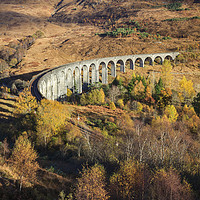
112	105
120	102
3	65
13	62
174	6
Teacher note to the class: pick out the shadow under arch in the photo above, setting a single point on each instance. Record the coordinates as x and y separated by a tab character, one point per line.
139	62
85	77
103	73
158	60
111	68
92	74
77	80
148	61
69	79
120	66
129	64
168	57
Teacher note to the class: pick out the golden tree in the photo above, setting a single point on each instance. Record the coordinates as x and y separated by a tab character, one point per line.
171	113
166	74
25	103
91	185
186	90
128	182
51	117
24	159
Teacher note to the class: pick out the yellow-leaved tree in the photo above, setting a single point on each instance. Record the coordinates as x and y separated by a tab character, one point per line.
128	182
23	159
166	74
25	103
51	117
186	91
171	113
91	185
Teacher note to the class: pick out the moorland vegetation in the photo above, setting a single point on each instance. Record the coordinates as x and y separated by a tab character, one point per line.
134	138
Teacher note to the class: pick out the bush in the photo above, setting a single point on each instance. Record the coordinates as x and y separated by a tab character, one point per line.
3	65
112	106
13	62
174	6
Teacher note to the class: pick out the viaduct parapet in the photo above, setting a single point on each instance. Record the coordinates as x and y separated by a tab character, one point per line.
76	76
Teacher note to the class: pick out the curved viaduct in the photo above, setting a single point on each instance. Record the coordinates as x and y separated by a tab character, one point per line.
76	76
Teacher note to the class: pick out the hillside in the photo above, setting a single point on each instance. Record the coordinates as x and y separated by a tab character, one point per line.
136	130
69	29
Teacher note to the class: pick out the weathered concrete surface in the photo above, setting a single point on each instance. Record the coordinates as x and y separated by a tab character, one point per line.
78	75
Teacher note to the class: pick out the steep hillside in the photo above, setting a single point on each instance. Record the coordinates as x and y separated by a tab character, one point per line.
70	29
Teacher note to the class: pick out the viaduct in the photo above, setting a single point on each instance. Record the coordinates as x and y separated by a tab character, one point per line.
76	76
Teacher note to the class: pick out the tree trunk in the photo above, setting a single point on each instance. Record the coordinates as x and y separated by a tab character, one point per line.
21	181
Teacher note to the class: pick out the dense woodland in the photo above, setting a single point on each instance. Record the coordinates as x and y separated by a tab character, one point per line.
147	147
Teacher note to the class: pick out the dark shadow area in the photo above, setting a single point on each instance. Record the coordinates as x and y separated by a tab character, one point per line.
7	104
25	77
48	187
14	19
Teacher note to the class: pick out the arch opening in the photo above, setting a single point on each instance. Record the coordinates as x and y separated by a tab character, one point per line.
129	64
69	79
158	60
168	57
103	73
77	81
85	77
120	67
111	68
139	62
92	74
148	61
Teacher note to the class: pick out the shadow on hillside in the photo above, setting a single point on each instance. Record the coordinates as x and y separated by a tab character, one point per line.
14	19
25	77
48	187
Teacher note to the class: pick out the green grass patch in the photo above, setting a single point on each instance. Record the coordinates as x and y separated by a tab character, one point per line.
181	19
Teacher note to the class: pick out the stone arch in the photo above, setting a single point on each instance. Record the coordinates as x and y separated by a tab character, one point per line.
111	68
85	75
120	63
148	60
77	80
168	57
159	60
69	79
139	62
103	71
129	64
92	74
